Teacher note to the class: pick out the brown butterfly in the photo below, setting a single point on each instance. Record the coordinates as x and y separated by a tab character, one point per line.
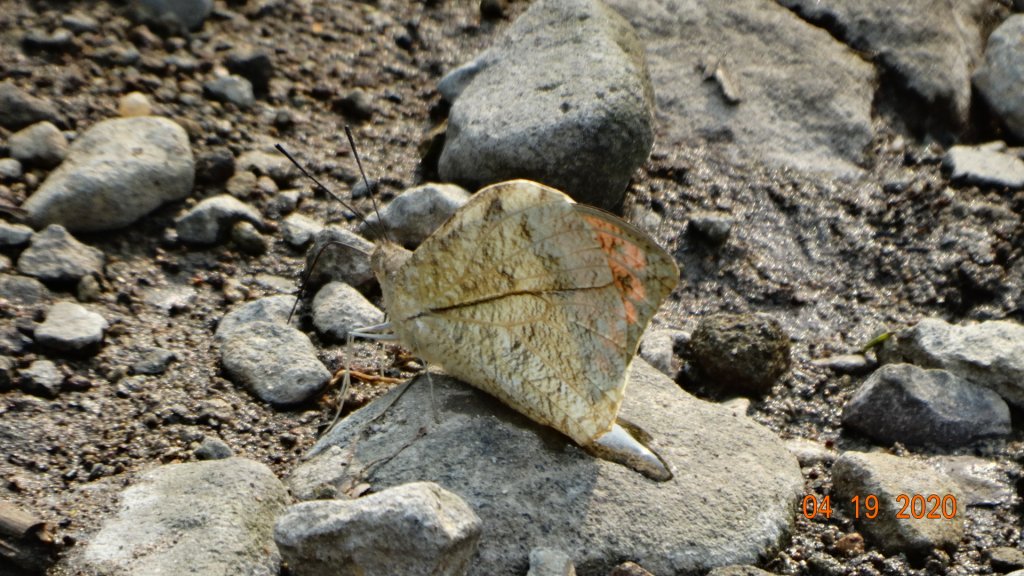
537	300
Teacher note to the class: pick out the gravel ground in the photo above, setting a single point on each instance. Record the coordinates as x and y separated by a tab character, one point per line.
878	264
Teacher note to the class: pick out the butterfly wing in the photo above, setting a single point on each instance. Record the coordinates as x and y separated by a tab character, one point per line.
532	309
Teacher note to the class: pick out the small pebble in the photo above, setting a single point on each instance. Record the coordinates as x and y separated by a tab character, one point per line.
41	144
70	327
134	104
248	238
10	169
234	89
14	235
42	378
213	449
153	361
54	255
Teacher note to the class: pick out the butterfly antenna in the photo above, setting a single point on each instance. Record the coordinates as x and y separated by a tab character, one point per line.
320	186
366	182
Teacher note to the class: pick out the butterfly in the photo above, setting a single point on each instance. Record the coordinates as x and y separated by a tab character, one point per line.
536	300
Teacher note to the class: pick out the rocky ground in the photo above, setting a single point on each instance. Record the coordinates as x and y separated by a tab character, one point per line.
880	239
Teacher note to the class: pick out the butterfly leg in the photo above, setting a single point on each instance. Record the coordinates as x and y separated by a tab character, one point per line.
377	332
430	381
346	380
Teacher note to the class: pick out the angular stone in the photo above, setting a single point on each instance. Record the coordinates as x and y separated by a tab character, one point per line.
914	406
213	517
562	98
116	172
413	529
894	482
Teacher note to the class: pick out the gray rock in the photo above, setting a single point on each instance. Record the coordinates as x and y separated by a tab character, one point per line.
272	164
254	65
846	363
989	354
982	483
911	405
10	169
60	40
55	256
713	226
276	362
356	106
175	15
79	23
339	255
242	184
42	378
212	517
339	308
213	449
550	562
7	380
745	352
22	291
41	144
656	347
248	239
1000	77
153	361
12	341
273	309
985	165
809	452
1005	559
116	172
415	529
19	109
234	89
284	202
780	66
170	299
562	98
88	289
416	213
299	230
70	327
530	484
210	221
14	235
892	479
738	570
928	49
273	283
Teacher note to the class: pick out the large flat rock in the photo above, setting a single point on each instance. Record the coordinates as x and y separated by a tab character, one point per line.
731	500
754	76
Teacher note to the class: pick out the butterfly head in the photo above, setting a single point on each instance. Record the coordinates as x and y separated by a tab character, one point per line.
387	259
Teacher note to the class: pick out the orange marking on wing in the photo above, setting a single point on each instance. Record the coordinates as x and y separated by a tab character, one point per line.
625	259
